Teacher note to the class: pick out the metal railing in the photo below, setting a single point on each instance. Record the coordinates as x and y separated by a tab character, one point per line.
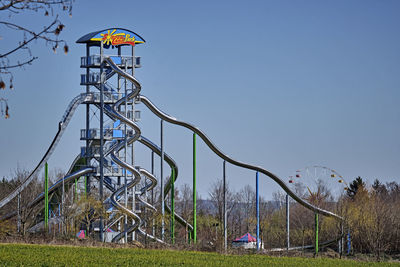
95	134
95	61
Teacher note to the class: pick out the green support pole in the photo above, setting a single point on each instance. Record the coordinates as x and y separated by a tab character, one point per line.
46	197
316	234
194	190
173	206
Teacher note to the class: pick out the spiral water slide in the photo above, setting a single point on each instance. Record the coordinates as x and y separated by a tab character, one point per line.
174	168
112	111
61	128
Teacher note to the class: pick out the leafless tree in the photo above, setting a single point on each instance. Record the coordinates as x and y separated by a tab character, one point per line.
185	206
247	198
266	210
20	54
216	195
301	224
69	211
89	209
27	214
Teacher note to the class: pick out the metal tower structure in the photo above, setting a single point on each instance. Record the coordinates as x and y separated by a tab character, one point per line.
101	137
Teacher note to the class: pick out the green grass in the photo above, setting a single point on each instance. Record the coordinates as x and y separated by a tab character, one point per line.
42	255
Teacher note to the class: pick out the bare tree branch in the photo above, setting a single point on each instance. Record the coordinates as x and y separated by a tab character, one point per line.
21	54
28	62
31	4
7	6
35	35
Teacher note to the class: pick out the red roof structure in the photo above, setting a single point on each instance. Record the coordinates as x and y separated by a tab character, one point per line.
246	238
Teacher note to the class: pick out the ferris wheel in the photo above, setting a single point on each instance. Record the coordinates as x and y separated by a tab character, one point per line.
318	181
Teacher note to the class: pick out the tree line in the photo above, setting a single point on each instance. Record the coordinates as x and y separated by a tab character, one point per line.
371	214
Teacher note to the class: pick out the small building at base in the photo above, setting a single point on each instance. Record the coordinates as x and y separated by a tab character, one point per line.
246	241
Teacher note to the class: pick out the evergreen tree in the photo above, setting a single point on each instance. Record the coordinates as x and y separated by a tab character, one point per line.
355	186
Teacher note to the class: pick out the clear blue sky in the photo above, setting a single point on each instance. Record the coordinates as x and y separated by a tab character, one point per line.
281	84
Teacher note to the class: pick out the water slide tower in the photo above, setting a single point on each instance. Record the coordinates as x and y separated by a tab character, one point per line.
104	132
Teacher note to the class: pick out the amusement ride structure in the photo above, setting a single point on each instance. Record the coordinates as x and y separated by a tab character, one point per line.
107	160
311	180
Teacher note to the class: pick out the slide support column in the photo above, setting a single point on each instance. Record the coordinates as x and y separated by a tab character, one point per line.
194	191
258	212
173	206
287	223
225	213
162	180
316	234
46	197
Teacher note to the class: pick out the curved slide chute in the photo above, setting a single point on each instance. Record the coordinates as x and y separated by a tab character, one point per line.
67	179
217	151
137	172
61	128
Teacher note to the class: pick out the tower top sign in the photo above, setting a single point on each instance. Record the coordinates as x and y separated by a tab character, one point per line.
113	37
